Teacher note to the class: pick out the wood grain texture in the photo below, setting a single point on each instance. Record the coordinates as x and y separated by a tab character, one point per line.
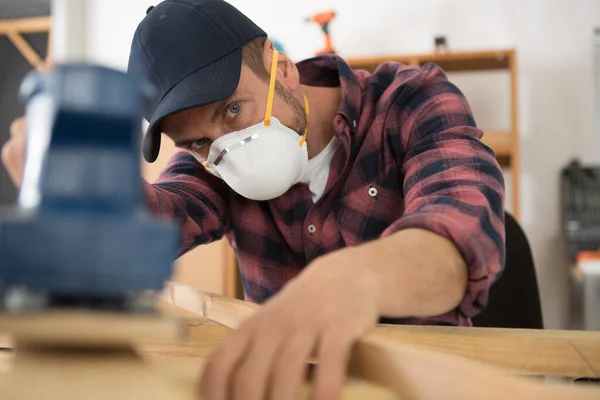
5	341
84	328
451	61
224	310
527	352
499	141
390	362
589	351
25	25
55	375
164	370
417	373
516	351
433	362
187	371
522	353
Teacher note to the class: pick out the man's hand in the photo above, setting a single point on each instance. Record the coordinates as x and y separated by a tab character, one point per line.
320	314
327	308
13	151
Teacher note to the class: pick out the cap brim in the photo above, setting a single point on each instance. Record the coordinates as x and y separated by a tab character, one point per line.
212	83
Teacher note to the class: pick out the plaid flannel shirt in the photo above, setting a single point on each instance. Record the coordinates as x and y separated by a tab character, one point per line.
411	157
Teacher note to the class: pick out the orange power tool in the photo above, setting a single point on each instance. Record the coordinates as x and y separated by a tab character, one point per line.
323	19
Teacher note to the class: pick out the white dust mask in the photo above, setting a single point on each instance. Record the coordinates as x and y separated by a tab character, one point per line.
263	161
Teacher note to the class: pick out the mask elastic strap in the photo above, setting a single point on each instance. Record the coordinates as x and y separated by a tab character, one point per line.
271	88
307	112
271	93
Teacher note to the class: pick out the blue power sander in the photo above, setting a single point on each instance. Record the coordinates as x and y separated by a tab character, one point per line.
80	235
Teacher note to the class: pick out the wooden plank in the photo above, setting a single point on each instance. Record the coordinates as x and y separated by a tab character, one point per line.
589	350
371	63
516	148
188	370
416	360
224	310
25	25
201	339
380	359
98	329
25	48
5	341
6	360
499	141
50	47
418	373
494	332
414	61
525	354
91	375
469	61
521	353
452	61
85	372
517	351
418	370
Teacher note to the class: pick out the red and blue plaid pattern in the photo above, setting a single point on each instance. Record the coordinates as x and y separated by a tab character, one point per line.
411	157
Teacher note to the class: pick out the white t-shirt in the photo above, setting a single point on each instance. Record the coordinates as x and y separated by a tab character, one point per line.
317	171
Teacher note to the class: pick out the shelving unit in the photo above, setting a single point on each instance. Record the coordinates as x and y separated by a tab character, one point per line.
14	29
504	143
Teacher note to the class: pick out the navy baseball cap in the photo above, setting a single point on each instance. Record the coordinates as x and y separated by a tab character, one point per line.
191	52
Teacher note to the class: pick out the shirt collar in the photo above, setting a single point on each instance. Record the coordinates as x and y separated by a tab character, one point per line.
331	70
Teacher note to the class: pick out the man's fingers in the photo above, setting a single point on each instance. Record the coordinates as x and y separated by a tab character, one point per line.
17	128
334	352
13	151
250	379
288	371
6	155
218	369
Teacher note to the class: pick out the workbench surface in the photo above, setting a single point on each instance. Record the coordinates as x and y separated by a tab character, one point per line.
523	352
519	352
527	352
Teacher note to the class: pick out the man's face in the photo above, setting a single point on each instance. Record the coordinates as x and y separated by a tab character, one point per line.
196	128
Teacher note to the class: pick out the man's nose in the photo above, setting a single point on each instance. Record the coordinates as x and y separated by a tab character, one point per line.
214	131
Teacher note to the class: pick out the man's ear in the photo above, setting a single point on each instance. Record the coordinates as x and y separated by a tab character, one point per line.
287	73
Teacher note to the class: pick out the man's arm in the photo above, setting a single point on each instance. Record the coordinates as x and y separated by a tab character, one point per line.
417	273
187	193
448	247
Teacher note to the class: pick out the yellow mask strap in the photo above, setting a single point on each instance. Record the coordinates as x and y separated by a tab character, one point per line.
307	111
271	93
271	88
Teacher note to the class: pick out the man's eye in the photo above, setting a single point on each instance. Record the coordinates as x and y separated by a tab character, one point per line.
233	110
198	144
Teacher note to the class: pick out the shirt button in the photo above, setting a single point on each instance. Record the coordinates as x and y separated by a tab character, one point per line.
312	228
354	123
372	192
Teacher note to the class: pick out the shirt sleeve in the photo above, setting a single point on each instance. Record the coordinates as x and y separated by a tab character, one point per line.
453	184
185	192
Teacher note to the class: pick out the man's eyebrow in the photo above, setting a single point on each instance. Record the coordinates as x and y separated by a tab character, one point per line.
220	107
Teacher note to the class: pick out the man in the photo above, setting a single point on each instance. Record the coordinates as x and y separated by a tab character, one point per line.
347	197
